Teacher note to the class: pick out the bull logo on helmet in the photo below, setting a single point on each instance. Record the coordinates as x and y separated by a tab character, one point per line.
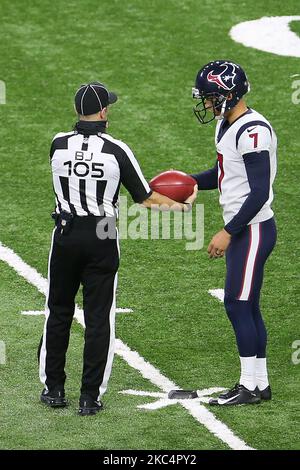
225	79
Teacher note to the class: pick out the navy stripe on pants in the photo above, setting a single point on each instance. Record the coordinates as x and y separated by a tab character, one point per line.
245	260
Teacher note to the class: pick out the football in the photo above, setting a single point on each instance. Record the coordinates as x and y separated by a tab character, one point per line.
174	184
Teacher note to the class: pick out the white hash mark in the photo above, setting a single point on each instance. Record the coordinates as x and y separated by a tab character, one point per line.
164	401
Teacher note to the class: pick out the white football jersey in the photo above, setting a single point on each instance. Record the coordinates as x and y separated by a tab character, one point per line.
249	133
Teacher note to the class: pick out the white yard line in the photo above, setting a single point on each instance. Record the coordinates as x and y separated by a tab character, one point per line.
147	370
217	293
33	277
33	312
198	411
30	274
42	312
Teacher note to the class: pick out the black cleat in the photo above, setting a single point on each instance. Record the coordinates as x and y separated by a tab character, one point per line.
55	398
224	395
88	406
182	394
238	395
265	394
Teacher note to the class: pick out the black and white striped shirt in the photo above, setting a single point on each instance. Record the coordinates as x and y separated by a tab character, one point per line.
88	167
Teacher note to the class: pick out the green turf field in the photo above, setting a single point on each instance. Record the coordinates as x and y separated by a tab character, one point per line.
148	51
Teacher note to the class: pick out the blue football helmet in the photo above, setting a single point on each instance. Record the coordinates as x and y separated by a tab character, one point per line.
215	82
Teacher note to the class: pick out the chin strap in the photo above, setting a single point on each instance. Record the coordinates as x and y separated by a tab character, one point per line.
221	115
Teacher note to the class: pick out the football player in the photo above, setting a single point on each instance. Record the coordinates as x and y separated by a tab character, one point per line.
244	173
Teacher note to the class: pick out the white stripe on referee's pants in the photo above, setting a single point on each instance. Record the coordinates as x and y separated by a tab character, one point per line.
250	261
43	351
112	340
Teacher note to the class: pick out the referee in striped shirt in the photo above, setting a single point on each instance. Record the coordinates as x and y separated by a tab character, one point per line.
88	166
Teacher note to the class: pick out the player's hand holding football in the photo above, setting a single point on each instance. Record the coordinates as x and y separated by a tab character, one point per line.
219	244
191	199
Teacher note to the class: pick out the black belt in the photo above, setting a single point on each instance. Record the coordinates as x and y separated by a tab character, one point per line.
89	221
65	221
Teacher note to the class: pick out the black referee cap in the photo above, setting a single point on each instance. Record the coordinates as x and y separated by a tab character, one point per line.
92	98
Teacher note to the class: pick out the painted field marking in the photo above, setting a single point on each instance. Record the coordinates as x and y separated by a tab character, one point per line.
217	293
198	411
137	362
268	34
203	397
42	312
33	277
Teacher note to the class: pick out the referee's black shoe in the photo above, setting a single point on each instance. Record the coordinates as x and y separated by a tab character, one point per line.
238	395
88	406
265	394
54	398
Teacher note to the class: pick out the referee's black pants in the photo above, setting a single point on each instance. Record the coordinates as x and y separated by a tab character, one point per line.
80	257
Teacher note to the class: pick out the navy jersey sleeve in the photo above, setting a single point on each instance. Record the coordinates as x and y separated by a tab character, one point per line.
207	179
257	166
